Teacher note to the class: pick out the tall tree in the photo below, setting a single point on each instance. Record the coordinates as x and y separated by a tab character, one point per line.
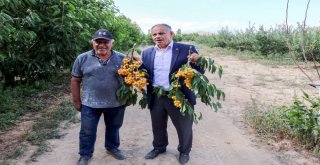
40	37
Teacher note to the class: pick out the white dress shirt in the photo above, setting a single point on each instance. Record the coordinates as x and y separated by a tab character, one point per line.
161	70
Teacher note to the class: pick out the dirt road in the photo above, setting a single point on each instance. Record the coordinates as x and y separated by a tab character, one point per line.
220	138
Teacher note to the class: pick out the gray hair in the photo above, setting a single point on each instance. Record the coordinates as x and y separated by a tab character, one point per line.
168	27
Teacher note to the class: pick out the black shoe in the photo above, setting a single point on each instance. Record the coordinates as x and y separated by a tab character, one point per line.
83	160
116	153
183	158
154	153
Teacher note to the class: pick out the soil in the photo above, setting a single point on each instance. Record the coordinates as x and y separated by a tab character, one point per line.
220	138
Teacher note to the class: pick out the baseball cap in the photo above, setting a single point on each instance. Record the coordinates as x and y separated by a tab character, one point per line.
102	34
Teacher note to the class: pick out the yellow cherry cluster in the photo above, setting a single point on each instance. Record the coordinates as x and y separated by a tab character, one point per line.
176	102
132	76
187	73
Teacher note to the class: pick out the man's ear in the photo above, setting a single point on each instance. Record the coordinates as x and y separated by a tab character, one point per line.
172	33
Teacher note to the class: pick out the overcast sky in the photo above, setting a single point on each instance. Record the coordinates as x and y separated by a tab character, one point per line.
212	15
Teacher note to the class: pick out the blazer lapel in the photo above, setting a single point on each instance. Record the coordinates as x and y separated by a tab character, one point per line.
175	53
153	54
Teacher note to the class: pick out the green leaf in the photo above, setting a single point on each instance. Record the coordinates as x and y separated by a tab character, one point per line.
211	90
214	68
183	108
159	91
71	7
200	116
223	95
33	2
219	105
215	107
79	25
195	118
56	12
218	94
220	71
144	101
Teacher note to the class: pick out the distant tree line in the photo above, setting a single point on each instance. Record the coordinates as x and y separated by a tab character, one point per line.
263	41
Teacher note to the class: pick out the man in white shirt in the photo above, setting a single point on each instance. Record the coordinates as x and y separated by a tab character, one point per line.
160	61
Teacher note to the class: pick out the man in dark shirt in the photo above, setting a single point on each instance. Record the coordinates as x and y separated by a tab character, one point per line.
97	70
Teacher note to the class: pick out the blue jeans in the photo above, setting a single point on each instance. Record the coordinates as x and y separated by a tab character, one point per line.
113	119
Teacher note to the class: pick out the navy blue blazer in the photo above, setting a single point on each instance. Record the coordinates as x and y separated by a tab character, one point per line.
180	52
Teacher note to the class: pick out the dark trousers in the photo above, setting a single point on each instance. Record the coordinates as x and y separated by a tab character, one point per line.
161	109
113	119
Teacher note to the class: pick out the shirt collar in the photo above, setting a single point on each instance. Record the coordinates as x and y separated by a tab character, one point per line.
167	48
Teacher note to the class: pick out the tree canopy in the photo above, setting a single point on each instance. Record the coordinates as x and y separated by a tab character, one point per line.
40	37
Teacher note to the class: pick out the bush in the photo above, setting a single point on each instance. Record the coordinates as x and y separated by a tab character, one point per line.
303	118
299	121
268	121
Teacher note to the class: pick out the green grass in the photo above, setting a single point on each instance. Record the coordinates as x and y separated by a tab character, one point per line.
6	162
13	105
268	121
297	123
16	102
50	112
48	124
44	147
18	151
15	153
271	60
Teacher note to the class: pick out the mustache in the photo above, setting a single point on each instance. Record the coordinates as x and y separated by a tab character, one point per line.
101	47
